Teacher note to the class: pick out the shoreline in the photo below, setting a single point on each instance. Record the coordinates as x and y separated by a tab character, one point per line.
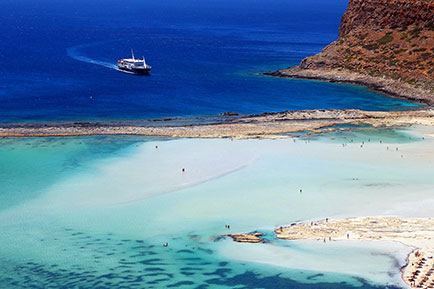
266	125
391	87
418	272
412	232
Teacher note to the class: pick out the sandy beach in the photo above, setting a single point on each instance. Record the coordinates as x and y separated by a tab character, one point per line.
417	233
414	232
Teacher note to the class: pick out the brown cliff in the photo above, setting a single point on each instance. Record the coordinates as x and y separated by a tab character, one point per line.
386	14
387	45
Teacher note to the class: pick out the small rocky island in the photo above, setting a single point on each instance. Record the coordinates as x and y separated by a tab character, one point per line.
254	237
387	45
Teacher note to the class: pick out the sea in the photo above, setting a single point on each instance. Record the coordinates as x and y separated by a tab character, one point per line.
59	58
95	212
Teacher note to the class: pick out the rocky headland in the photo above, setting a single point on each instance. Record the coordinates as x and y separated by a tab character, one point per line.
386	45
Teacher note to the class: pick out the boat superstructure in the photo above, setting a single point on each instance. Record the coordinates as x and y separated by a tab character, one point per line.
133	65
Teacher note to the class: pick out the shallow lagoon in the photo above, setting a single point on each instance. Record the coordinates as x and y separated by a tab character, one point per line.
102	219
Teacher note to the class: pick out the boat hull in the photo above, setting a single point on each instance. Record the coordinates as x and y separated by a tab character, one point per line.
135	71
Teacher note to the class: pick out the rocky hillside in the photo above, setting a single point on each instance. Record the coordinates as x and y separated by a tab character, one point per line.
386	14
388	39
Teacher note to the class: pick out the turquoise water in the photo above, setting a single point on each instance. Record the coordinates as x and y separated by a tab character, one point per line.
30	165
359	134
96	211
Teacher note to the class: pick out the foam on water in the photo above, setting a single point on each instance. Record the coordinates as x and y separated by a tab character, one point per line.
74	52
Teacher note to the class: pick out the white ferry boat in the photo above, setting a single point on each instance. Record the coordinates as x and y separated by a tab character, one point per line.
132	65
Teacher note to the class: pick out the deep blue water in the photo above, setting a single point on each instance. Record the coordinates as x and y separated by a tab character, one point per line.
56	58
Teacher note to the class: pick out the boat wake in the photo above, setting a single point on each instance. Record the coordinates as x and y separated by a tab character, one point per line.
74	52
